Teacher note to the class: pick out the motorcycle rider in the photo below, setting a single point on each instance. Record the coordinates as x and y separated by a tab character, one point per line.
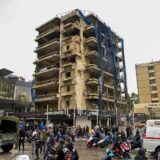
141	154
98	134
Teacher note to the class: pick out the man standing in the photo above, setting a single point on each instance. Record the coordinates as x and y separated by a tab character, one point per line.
21	138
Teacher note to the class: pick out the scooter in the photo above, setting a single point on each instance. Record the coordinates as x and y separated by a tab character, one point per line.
135	143
92	141
109	155
104	142
122	150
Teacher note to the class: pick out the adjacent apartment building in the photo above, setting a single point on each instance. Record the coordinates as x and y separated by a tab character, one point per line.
80	68
148	83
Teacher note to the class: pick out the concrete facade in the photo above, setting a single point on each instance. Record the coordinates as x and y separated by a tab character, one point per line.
68	71
148	83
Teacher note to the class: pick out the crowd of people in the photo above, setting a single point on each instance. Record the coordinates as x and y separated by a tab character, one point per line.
58	140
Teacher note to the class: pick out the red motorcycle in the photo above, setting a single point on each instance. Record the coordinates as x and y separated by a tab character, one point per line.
121	149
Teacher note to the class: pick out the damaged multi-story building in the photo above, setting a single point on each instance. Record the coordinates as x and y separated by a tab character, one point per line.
80	69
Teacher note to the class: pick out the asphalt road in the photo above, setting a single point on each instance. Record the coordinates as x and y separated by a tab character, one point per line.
84	152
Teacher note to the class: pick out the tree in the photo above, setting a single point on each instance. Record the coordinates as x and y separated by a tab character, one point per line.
132	99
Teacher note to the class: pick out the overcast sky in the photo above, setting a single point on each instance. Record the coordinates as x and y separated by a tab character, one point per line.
136	21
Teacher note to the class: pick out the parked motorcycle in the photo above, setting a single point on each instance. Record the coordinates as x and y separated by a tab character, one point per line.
103	142
92	141
135	143
121	149
109	155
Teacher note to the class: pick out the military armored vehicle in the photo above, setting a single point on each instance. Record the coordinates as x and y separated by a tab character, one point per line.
8	132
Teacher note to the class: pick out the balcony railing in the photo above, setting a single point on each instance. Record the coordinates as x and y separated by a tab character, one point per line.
92	54
92	81
51	30
46	69
46	97
91	41
47	56
92	67
69	54
71	26
46	83
49	43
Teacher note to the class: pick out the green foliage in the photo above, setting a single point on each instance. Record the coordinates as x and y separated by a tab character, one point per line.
132	99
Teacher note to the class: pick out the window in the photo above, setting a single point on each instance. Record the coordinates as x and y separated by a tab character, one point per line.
67	47
67	103
152	81
154	95
153	88
68	74
68	88
154	101
150	67
151	74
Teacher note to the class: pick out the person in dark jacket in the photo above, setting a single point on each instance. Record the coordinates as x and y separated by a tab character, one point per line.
141	154
68	151
21	139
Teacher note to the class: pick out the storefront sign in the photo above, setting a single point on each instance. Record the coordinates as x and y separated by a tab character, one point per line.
55	113
154	105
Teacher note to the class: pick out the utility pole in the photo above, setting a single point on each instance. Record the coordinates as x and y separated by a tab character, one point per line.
47	115
97	116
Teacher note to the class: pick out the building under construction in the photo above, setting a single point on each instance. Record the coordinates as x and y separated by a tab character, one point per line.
80	69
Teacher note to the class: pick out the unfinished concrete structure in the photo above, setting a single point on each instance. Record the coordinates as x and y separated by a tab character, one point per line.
80	66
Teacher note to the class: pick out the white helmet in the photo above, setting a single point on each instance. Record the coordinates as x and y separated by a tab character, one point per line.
96	128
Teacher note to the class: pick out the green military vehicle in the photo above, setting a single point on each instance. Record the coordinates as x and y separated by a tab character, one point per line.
8	132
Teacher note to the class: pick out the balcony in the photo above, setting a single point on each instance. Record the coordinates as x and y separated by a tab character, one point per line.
46	71
108	98
121	100
121	79
70	28
92	81
154	99
69	54
54	56
154	91
92	94
151	71
107	74
91	41
152	77
49	31
46	84
119	57
89	29
120	68
50	45
65	94
108	85
47	97
92	68
92	54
